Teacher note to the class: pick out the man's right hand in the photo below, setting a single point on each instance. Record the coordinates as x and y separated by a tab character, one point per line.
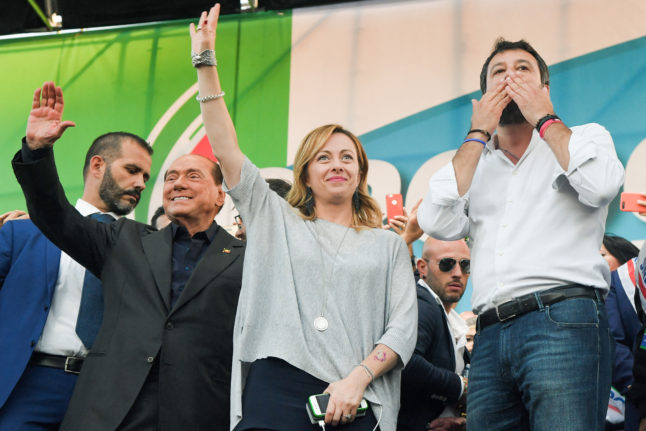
487	110
45	125
13	215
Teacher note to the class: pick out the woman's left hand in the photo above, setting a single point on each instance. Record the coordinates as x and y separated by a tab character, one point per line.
203	36
345	396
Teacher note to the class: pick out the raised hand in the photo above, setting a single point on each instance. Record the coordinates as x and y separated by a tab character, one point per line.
532	98
487	110
45	125
203	36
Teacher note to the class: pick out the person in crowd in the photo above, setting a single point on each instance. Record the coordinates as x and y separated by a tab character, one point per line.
162	358
470	318
433	382
50	307
637	391
281	187
533	199
332	307
159	220
622	317
617	250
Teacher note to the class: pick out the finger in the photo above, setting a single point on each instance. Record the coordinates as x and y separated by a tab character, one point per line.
330	412
63	126
416	206
214	15
401	218
51	95
35	104
191	30
16	215
58	99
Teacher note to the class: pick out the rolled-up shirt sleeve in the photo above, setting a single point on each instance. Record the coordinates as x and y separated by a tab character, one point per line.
594	171
442	214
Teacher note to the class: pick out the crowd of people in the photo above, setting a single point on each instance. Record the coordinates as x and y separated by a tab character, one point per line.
312	310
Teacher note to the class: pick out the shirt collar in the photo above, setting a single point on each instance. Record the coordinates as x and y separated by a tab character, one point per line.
208	233
422	283
86	208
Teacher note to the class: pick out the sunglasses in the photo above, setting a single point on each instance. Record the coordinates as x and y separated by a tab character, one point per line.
448	263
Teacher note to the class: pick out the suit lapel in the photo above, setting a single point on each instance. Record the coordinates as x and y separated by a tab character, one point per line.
52	265
222	252
158	248
445	320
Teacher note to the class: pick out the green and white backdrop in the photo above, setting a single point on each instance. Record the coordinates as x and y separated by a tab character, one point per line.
400	74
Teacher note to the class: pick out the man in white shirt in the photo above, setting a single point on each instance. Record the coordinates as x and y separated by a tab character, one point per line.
533	201
50	308
433	382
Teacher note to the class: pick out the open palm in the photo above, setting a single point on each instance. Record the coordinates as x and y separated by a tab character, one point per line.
45	125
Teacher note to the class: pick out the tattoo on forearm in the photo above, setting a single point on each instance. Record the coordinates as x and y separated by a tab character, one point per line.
380	356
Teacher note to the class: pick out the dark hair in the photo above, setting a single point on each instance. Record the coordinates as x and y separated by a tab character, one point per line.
158	213
502	45
108	146
622	249
281	187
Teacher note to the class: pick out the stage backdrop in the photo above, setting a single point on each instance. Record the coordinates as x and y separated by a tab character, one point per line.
400	74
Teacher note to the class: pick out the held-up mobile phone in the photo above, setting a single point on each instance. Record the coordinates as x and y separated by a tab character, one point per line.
317	405
394	205
629	202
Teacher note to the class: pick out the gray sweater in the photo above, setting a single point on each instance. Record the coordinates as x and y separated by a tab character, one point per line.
371	296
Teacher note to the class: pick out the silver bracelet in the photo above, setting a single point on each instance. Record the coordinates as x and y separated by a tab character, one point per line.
365	367
209	97
204	58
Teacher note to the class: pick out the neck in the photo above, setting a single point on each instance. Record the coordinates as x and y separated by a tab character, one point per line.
335	213
447	306
514	139
192	225
94	200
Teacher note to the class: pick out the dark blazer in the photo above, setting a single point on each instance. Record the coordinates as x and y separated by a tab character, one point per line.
29	265
625	327
193	340
429	381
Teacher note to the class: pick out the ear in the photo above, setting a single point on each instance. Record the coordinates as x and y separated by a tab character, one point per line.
97	166
219	197
422	268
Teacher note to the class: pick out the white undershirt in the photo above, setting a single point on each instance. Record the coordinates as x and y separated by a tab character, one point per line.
59	334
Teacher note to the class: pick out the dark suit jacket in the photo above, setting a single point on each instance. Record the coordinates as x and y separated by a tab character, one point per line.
28	272
429	381
193	340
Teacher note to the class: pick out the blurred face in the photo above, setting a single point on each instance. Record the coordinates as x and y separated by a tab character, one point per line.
333	173
190	191
125	178
450	284
501	66
613	263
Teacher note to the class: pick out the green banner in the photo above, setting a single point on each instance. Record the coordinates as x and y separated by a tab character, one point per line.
132	79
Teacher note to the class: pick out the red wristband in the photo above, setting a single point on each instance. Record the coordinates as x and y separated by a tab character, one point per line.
547	124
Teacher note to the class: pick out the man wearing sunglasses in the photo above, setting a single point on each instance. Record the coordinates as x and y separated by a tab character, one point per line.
532	195
433	382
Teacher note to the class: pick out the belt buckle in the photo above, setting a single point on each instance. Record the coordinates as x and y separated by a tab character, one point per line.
67	362
502	319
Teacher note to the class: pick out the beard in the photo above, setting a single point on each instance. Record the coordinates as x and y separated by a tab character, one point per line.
111	194
511	115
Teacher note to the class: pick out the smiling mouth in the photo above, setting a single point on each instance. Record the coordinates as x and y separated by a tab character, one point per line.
336	179
180	198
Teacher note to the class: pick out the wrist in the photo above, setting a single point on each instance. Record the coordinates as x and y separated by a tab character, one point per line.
363	374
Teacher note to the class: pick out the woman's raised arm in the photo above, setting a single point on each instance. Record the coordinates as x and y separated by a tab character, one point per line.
217	121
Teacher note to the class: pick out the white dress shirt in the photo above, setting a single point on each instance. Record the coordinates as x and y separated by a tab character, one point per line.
530	226
59	335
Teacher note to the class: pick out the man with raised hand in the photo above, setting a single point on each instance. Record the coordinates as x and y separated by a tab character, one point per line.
162	359
532	196
51	307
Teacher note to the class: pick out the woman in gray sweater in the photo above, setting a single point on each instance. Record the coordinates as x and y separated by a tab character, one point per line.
328	297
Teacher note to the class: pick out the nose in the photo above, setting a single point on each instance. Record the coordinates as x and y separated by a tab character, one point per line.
140	182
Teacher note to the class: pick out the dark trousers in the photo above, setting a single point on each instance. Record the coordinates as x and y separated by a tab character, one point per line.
144	413
39	400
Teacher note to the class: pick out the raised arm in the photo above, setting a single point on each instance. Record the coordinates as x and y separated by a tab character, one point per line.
217	121
45	124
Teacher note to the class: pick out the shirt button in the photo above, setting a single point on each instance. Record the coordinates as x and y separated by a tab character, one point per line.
170	325
187	268
514	173
500	253
45	308
150	359
33	343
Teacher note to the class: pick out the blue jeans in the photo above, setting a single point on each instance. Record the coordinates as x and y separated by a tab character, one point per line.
546	370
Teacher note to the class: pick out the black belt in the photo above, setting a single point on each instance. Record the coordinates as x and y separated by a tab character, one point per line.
70	364
527	303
